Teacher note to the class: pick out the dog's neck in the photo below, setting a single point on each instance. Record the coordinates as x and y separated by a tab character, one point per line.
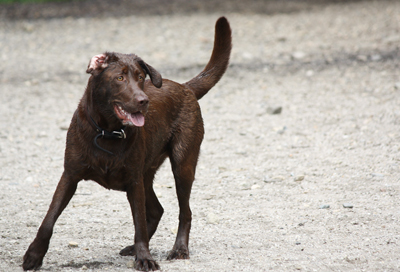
100	124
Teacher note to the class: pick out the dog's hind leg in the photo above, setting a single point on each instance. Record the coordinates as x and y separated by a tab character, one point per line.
184	169
154	212
33	257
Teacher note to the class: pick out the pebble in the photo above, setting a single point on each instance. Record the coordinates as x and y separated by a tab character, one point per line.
376	57
29	179
309	73
298	55
299	178
397	85
325	206
362	58
348	206
282	130
84	267
245	186
274	110
212	218
174	230
130	264
73	244
267	179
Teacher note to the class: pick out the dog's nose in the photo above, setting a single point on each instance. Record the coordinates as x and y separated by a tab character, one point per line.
142	101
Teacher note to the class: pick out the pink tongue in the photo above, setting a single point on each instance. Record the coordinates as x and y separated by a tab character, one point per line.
136	118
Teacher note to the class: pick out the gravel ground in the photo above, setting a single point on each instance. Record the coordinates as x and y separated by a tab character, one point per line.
313	187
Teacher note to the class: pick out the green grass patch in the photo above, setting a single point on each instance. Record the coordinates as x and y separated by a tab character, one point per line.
30	1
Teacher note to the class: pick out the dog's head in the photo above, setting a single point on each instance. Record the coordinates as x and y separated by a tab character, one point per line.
119	81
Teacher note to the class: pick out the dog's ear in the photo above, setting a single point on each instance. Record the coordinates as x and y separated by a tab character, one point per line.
100	62
97	62
155	76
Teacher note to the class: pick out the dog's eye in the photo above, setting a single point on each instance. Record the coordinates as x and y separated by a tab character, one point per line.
140	78
120	78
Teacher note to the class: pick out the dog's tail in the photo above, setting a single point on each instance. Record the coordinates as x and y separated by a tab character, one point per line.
218	62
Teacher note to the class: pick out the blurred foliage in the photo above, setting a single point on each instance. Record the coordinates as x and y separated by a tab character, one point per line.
30	1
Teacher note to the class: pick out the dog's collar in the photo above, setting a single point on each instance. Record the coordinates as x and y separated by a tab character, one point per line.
113	135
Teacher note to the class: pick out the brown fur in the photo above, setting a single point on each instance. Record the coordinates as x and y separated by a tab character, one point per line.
173	128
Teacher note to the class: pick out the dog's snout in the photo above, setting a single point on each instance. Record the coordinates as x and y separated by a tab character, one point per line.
142	101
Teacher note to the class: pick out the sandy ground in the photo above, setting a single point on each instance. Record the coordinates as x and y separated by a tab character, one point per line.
313	188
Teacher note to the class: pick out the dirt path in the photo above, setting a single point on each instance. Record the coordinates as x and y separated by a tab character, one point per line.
271	190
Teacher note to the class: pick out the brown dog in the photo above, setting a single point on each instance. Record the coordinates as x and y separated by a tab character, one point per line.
123	130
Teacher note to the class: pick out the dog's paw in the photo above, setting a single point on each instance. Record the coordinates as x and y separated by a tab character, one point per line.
178	254
146	265
32	261
128	251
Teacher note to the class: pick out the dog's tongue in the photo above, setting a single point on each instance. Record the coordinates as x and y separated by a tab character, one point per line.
136	118
129	119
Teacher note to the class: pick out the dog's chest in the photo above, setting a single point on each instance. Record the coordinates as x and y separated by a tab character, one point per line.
115	178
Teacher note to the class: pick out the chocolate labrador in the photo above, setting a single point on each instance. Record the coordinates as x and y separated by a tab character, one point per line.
123	130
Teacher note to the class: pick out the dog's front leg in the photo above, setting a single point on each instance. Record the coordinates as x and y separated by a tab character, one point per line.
33	257
136	198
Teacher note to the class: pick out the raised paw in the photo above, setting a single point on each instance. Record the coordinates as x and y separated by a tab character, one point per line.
178	254
146	265
128	251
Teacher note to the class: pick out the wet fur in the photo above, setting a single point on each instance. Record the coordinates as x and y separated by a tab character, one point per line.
173	128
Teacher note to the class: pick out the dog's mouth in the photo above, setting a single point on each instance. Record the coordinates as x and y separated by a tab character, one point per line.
129	119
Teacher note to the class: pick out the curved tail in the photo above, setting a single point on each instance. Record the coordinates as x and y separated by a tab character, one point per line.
218	62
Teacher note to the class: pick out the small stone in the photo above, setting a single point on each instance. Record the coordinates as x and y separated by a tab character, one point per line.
298	55
274	110
84	267
212	218
376	57
73	244
282	130
348	206
29	179
362	58
377	175
397	85
246	186
325	206
28	27
309	73
267	179
42	134
281	39
255	187
247	55
130	264
299	178
174	230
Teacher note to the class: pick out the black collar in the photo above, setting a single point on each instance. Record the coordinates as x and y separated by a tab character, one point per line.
113	135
